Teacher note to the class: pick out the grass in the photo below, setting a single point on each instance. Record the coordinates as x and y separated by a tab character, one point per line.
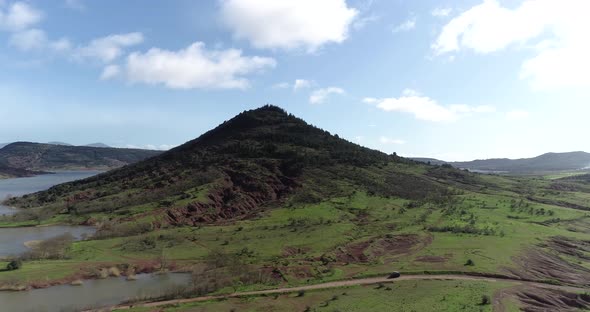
315	242
398	296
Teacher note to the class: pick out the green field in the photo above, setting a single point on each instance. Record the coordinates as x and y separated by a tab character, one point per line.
398	296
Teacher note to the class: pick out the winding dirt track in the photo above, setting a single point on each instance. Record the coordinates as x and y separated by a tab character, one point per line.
355	282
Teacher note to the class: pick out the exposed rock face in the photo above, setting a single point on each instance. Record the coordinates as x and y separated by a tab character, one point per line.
237	195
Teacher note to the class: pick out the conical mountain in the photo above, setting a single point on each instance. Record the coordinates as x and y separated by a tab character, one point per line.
257	159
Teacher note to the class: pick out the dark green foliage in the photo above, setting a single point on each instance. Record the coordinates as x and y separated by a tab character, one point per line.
14	265
469	262
485	300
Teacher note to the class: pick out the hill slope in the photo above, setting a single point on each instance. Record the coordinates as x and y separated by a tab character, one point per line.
37	156
255	159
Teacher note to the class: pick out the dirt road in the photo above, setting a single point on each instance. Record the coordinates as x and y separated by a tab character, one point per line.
355	282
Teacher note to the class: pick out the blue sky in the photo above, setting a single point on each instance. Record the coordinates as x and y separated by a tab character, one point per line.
455	80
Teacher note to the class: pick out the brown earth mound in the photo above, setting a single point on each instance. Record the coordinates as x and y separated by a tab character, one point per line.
542	300
391	247
570	247
538	264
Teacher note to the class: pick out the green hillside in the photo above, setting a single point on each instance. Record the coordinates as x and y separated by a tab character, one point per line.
266	200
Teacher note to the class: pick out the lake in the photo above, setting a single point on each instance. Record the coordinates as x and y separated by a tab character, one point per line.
22	186
92	293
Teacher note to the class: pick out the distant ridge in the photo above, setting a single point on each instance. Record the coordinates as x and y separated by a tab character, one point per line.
59	143
101	145
549	162
47	157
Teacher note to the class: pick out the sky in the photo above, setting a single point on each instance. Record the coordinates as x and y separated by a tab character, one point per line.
454	80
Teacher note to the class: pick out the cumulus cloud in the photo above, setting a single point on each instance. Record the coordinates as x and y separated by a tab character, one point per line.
387	140
281	85
301	84
441	12
288	24
425	108
109	48
320	95
109	72
194	67
29	39
555	32
405	26
19	16
36	39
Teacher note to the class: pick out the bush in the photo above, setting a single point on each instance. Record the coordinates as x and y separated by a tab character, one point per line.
485	300
469	262
14	265
301	293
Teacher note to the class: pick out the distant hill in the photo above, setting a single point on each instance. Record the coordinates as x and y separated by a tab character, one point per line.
59	143
47	157
102	145
549	162
3	144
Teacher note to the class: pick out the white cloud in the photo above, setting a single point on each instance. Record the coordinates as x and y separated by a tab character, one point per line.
61	45
19	16
441	12
425	108
556	31
363	21
387	140
109	72
107	49
405	26
301	84
320	95
288	24
517	114
36	39
194	67
281	85
30	39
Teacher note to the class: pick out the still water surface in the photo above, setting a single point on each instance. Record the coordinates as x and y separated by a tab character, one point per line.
92	293
22	186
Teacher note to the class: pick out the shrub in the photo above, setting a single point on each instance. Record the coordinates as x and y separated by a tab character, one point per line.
485	300
14	265
469	262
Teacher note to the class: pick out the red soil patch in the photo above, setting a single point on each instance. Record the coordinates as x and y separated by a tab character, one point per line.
394	246
432	259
